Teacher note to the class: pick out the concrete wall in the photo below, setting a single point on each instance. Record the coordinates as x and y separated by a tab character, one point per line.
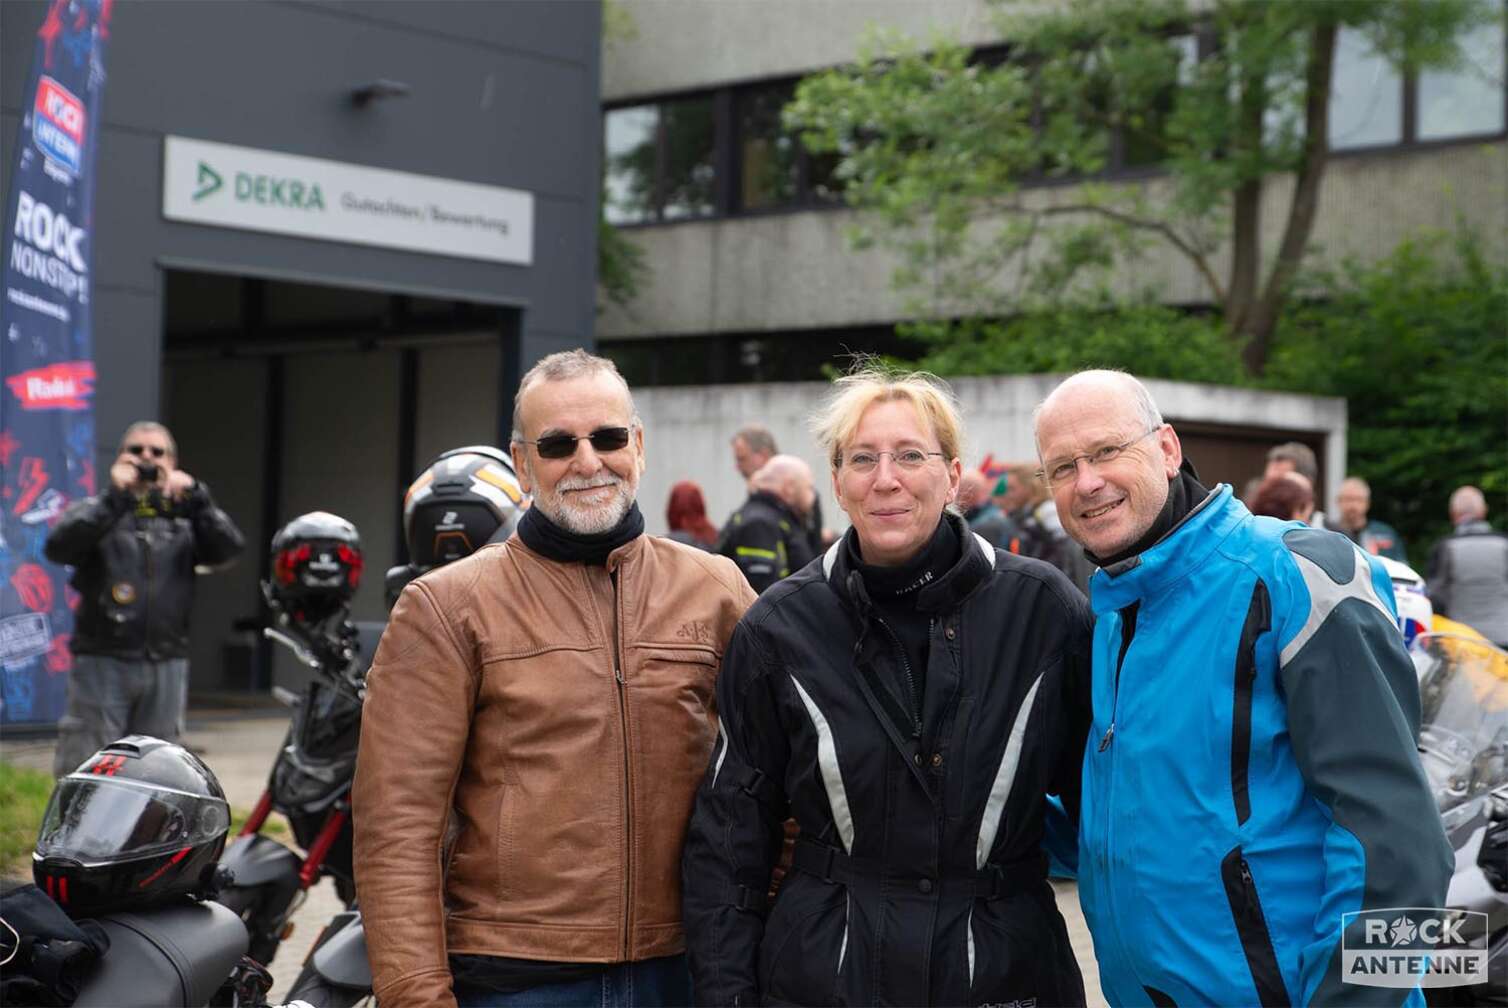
680	44
777	272
688	429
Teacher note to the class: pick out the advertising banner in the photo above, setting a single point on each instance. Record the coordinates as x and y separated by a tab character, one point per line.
46	356
223	185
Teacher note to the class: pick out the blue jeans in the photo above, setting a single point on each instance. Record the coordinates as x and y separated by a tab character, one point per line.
651	983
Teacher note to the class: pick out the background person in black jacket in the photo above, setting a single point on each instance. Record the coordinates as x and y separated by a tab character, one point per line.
133	549
767	536
910	699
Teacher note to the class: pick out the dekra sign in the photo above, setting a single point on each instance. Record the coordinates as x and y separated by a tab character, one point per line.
270	190
266	190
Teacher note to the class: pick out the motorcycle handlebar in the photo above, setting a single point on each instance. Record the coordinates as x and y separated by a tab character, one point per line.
342	678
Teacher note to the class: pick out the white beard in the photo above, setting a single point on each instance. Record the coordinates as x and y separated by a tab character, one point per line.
590	520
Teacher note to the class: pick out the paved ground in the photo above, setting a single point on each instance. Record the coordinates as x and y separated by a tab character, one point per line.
240	748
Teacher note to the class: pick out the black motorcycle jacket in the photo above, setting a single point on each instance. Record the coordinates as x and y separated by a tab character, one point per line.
766	539
134	565
919	877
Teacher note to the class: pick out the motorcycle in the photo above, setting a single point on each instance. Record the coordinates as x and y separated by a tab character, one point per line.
310	784
1463	745
337	973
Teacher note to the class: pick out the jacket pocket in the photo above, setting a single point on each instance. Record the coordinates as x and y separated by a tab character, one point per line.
1251	927
1258	620
807	942
504	841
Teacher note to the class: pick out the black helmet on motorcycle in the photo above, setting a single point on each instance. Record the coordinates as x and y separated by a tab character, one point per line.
463	500
140	822
316	565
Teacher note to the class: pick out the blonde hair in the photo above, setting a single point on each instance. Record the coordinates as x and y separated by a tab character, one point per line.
837	419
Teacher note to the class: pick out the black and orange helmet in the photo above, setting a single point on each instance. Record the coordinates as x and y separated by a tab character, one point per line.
463	500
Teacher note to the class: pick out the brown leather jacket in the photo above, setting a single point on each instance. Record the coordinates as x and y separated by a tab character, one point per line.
532	738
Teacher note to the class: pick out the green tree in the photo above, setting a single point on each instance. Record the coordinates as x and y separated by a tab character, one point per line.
935	146
1417	344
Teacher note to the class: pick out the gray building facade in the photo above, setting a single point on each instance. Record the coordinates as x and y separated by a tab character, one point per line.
302	371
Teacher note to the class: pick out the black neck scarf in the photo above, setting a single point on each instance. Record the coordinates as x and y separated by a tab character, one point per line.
1184	494
934	560
549	540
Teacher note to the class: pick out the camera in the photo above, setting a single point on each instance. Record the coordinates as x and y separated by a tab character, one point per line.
147	471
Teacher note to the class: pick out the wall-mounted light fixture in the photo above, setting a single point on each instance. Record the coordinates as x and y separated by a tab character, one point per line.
380	88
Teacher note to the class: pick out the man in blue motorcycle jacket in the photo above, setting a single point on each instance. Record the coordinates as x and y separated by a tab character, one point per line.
1252	771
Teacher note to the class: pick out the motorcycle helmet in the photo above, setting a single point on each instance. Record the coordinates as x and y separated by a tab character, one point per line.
1415	613
316	565
139	823
465	499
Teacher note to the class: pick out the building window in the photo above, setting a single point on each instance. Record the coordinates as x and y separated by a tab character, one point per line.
659	161
1467	101
688	174
630	162
767	154
1366	95
726	151
1144	133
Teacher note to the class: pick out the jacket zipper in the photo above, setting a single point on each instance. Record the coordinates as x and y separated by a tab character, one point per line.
628	794
1251	927
1246	677
1128	630
146	597
1258	620
913	705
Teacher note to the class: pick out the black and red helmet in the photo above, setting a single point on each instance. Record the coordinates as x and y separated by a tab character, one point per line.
139	823
465	499
316	565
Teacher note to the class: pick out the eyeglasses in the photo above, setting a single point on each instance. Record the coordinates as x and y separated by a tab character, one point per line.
559	446
1063	470
141	450
910	459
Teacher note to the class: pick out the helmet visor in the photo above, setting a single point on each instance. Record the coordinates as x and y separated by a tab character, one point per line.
92	818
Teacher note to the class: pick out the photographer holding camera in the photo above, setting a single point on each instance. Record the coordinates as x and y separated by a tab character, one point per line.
134	548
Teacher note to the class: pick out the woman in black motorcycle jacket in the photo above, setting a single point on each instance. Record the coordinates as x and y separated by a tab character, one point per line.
910	698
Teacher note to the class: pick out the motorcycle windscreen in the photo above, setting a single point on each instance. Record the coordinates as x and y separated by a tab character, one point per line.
94	818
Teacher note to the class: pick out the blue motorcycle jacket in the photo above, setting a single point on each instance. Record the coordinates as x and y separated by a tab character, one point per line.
1252	770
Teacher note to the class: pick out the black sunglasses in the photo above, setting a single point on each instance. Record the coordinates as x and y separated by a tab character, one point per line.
139	450
559	446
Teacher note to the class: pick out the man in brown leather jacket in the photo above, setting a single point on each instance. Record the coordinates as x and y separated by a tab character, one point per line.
538	716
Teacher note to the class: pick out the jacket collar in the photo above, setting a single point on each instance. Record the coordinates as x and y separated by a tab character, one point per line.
1185	546
973	566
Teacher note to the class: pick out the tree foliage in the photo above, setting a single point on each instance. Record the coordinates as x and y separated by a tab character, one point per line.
1418	346
936	146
